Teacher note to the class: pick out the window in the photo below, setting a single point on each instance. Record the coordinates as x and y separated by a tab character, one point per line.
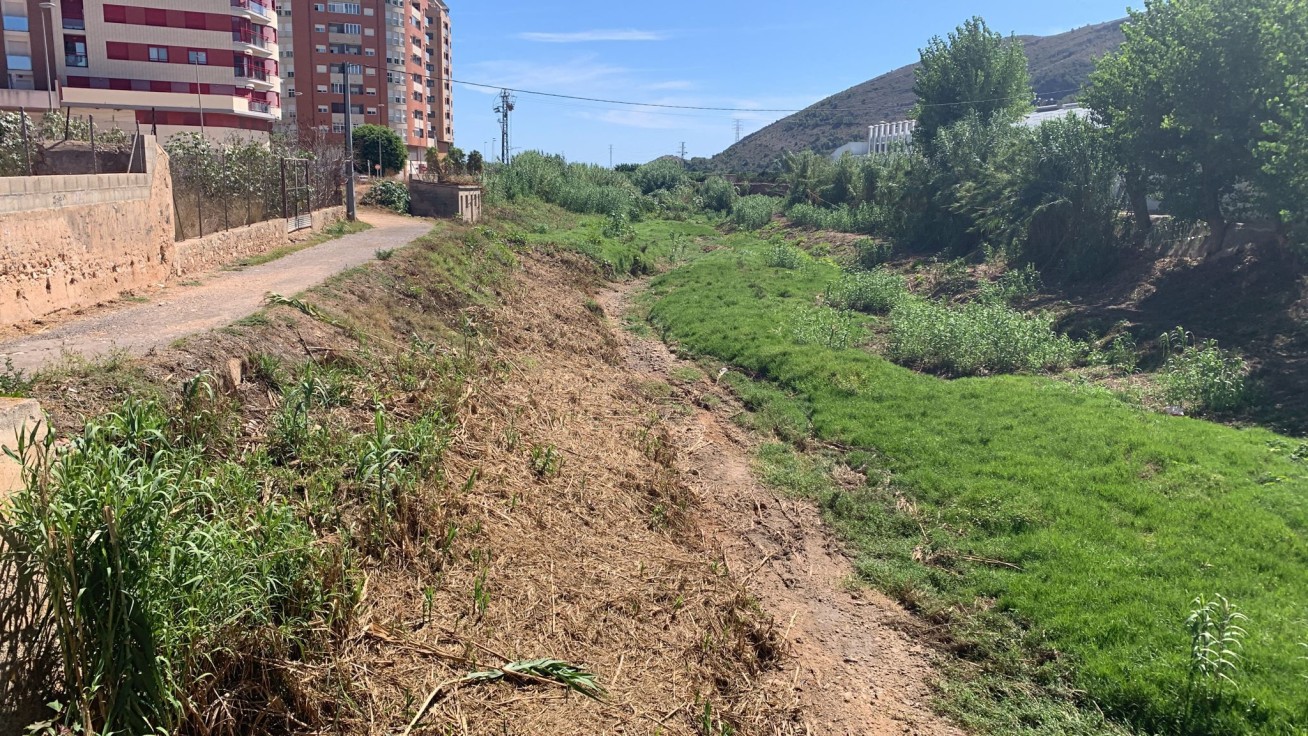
370	72
371	91
321	68
72	14
15	23
290	74
372	111
370	32
322	88
158	53
197	57
320	48
319	28
338	127
347	8
18	62
75	51
353	28
322	108
368	12
370	52
319	7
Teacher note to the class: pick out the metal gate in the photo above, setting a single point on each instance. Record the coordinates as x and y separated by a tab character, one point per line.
297	195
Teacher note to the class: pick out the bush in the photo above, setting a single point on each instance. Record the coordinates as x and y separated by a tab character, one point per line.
976	338
162	572
781	254
873	292
873	253
718	194
663	174
1202	376
753	212
392	195
580	188
832	328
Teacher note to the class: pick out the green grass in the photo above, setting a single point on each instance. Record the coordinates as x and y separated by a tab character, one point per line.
650	245
331	232
1060	535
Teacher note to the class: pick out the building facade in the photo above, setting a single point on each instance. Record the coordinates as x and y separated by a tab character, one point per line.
887	138
194	65
397	54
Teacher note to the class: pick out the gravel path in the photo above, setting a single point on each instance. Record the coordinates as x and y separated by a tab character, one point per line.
222	298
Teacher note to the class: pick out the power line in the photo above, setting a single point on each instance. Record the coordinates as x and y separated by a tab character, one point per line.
739	109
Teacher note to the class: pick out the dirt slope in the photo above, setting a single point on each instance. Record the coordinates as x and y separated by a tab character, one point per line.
855	670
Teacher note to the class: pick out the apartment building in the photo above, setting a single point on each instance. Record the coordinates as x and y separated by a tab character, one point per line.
194	65
397	56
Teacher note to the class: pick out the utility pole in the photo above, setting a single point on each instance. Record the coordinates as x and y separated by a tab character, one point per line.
610	155
351	211
739	125
506	106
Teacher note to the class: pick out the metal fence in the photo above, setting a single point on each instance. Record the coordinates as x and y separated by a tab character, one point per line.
57	142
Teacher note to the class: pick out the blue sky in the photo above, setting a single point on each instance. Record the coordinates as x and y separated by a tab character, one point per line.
717	53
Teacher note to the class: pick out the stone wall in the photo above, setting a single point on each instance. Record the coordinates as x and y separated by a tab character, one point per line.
214	250
68	242
71	242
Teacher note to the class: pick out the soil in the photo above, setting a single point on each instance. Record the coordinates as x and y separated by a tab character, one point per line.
855	669
646	552
222	298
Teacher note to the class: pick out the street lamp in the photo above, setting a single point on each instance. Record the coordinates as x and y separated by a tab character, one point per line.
48	43
199	98
350	210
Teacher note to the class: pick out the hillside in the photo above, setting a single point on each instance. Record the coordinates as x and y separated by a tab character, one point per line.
1060	65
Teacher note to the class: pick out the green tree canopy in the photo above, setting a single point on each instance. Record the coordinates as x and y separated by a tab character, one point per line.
1185	101
456	161
1283	154
372	142
975	71
476	163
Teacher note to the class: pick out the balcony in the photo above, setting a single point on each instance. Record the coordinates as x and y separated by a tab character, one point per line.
254	10
256	77
262	108
252	42
77	60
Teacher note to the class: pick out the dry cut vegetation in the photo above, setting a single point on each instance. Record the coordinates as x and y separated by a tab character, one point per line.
432	503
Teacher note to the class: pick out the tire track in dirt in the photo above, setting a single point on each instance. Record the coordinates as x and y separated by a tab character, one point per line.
854	671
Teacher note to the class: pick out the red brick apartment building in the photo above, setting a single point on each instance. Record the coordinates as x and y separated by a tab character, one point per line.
172	66
398	52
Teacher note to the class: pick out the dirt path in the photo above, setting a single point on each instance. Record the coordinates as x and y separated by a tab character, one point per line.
856	671
221	299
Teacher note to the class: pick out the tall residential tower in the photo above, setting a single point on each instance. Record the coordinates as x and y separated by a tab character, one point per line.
192	65
397	55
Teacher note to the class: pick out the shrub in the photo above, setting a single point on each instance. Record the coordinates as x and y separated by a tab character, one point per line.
832	328
975	338
1202	376
718	194
162	572
658	175
873	253
873	292
781	254
753	212
1013	286
618	226
392	195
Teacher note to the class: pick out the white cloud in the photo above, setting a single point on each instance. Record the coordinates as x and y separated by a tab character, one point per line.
673	85
576	76
595	36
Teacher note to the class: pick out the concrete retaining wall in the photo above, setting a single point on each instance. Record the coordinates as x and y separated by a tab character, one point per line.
68	242
214	250
71	242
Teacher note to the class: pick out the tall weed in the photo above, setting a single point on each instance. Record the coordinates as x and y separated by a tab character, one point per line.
873	292
1202	376
977	338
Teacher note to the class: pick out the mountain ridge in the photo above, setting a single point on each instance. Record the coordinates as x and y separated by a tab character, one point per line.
1060	67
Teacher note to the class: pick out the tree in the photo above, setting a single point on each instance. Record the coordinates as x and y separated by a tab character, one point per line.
975	71
1183	100
374	142
1283	155
659	174
456	161
476	164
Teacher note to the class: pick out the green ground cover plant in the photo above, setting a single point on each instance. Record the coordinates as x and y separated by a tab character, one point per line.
1060	537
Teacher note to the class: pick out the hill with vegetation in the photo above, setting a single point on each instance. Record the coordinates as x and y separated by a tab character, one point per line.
1060	67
